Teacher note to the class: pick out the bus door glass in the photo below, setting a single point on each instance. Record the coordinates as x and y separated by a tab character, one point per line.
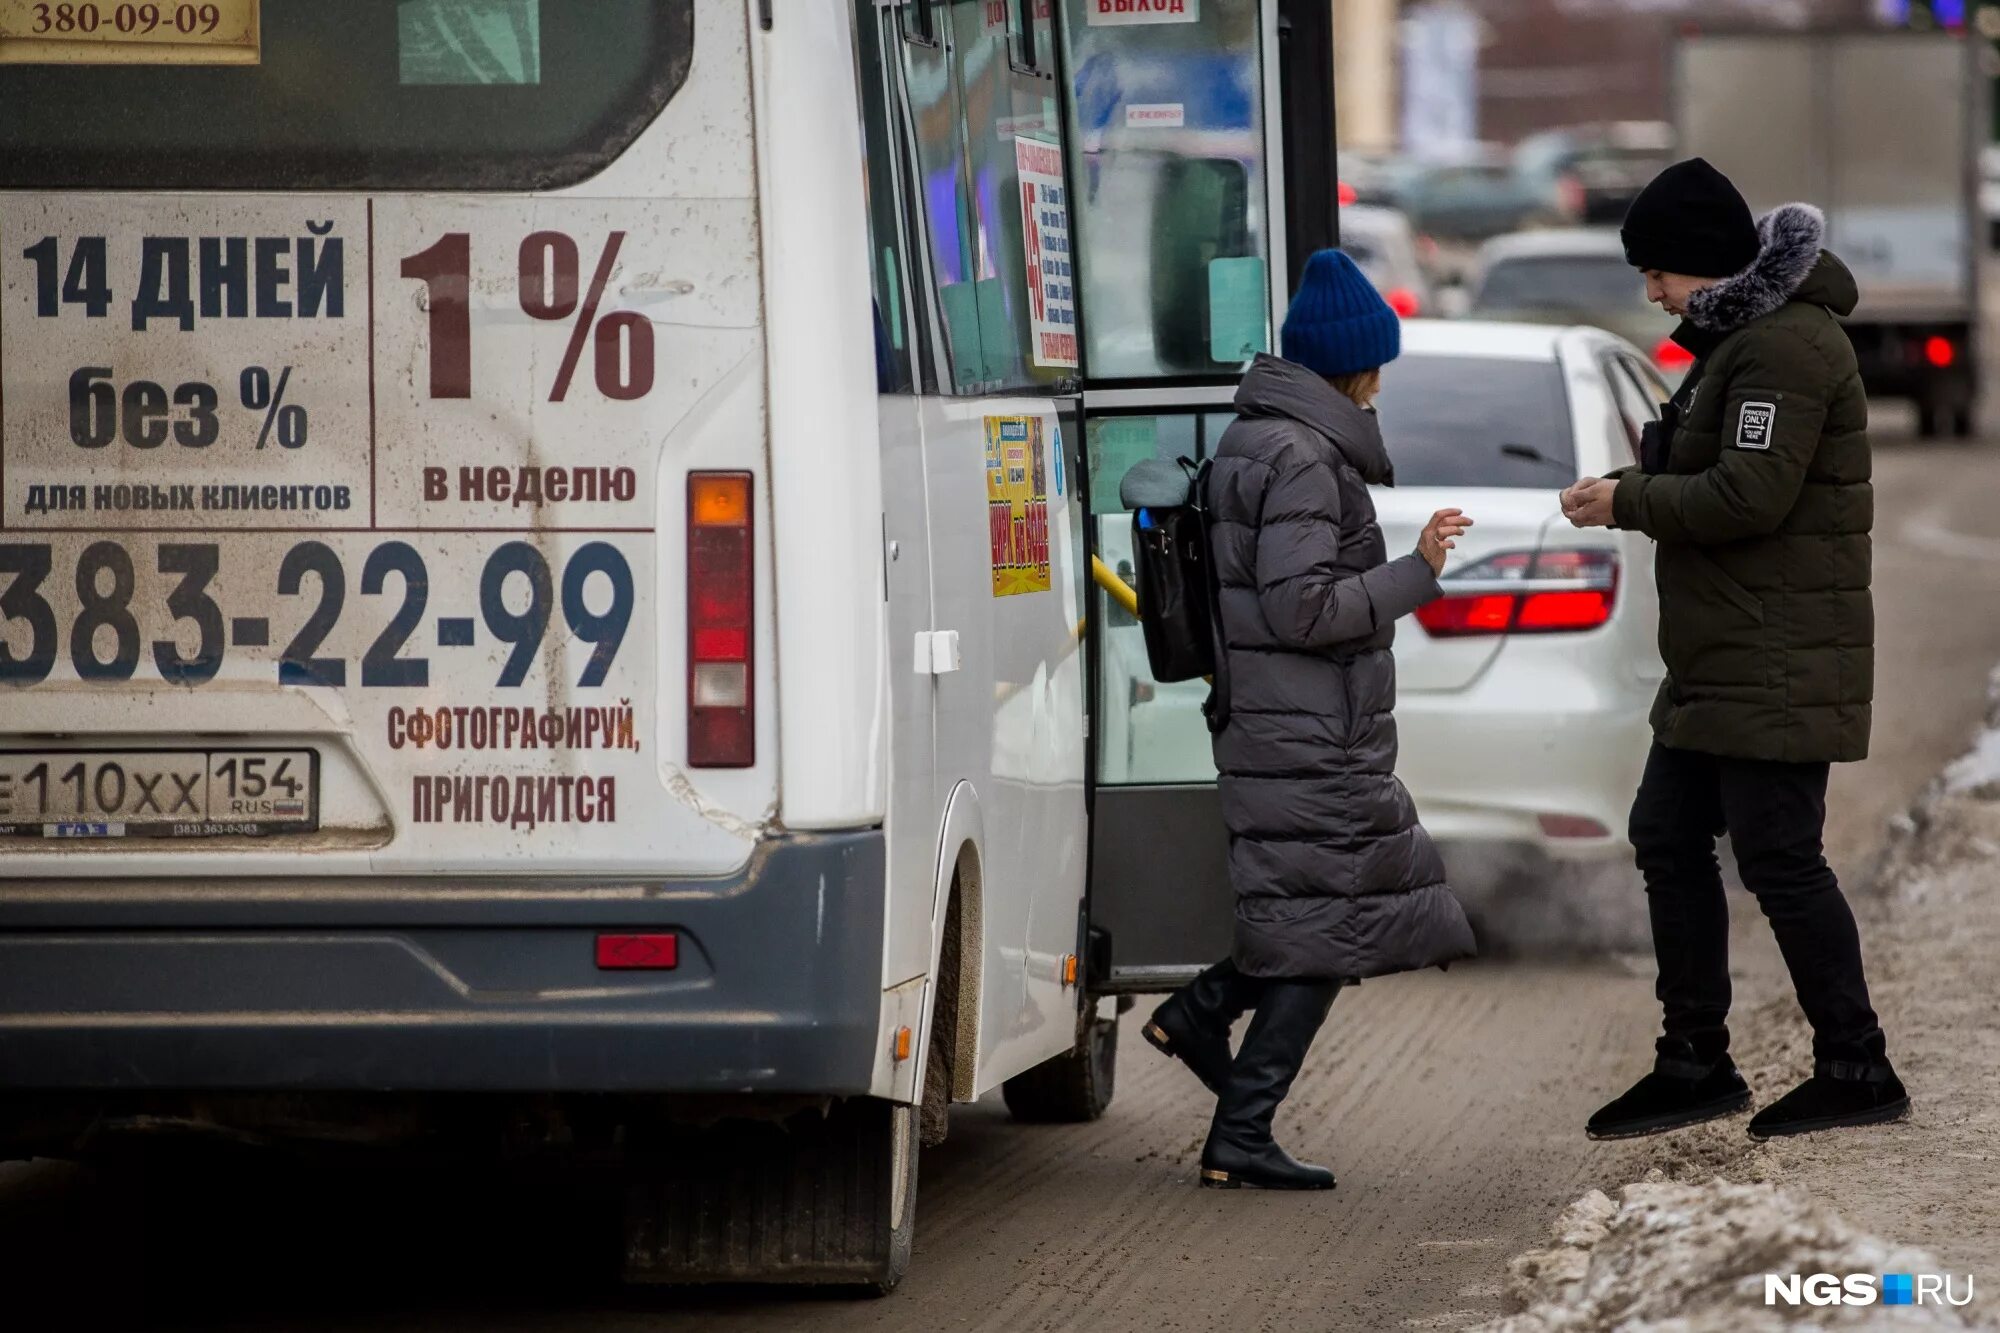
1172	196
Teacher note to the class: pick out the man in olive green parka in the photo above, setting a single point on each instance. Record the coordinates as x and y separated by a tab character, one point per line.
1755	486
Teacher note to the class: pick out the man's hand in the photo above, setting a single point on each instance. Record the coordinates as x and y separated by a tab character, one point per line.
1588	503
1437	536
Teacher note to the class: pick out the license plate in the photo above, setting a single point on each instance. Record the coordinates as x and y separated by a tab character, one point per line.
157	793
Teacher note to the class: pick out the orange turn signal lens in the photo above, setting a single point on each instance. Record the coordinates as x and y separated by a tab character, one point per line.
902	1045
1069	969
719	499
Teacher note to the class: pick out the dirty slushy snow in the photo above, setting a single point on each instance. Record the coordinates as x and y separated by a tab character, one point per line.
1687	1247
1675	1258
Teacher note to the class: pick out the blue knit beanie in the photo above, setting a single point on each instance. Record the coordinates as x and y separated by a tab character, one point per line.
1338	324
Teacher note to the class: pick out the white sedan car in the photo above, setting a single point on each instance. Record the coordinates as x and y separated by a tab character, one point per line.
1522	695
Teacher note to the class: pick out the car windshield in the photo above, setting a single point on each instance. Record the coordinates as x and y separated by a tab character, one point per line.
1476	421
1562	282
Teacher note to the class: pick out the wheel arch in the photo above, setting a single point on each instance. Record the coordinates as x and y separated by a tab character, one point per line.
958	938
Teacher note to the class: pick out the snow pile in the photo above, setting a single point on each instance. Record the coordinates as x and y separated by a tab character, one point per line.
1676	1258
1977	771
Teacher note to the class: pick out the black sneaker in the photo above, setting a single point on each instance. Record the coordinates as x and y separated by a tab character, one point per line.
1675	1095
1840	1093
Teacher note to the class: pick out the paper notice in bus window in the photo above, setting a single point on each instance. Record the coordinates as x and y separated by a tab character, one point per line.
1017	504
1045	242
1114	445
1238	326
469	42
122	32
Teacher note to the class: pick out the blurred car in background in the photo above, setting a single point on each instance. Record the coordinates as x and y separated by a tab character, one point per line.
1597	170
1382	242
1575	275
1523	693
1376	178
1477	196
1989	192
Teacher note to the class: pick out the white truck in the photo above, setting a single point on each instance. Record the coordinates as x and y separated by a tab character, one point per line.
1881	129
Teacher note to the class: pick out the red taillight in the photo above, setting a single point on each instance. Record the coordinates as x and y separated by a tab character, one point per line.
1671	356
1403	301
1939	351
1483	613
633	953
1345	193
1571	826
1547	611
1569	196
722	723
1526	592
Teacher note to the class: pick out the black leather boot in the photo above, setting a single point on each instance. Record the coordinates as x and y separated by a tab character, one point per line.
1240	1150
1839	1094
1192	1025
1683	1089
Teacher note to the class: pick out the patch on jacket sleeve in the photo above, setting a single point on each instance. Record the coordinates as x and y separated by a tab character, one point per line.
1754	425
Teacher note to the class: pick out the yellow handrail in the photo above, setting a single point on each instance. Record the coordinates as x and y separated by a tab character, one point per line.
1121	591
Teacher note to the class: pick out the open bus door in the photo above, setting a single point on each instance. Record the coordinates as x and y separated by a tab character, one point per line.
1201	176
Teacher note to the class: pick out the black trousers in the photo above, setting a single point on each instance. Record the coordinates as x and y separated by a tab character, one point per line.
1775	815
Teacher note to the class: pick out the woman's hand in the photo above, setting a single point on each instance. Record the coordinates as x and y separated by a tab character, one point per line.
1437	536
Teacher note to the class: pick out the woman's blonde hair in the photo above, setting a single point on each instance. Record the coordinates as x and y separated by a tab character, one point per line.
1361	386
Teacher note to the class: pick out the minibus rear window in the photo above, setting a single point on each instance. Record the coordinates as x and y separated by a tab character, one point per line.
358	94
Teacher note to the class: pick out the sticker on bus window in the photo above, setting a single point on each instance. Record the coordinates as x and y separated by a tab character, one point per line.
122	32
459	43
1017	504
1045	243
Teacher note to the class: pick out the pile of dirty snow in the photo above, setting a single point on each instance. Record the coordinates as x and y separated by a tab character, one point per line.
1681	1258
1977	771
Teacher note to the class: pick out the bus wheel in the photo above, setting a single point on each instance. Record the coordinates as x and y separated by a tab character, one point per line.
826	1197
1073	1087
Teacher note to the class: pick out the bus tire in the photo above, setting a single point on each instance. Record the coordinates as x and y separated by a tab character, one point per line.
1072	1088
826	1196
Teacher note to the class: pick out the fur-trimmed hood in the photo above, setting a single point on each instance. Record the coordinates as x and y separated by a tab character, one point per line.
1790	265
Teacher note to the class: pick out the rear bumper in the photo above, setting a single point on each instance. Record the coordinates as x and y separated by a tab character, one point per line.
1485	764
451	986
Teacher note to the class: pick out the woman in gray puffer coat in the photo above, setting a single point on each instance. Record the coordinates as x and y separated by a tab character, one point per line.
1335	879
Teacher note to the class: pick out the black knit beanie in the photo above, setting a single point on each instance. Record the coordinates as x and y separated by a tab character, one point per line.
1690	220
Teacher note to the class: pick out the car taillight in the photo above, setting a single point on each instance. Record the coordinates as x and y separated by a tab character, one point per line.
1403	301
1671	356
1345	193
1525	592
722	721
1939	351
1569	195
